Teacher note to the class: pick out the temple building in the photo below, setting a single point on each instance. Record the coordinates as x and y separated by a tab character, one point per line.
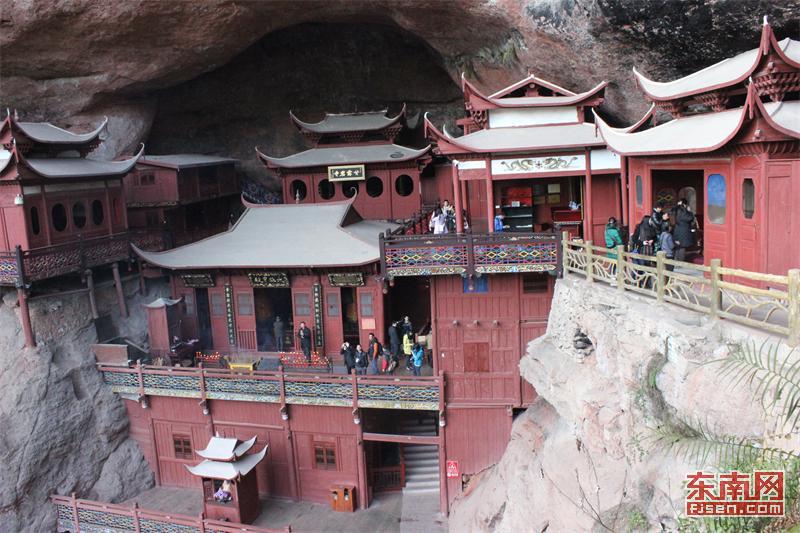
181	198
62	212
354	156
731	149
531	155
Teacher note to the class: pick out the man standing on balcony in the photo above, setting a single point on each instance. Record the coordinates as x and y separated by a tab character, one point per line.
304	334
279	329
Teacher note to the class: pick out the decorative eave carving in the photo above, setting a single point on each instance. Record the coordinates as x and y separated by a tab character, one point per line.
673	107
716	100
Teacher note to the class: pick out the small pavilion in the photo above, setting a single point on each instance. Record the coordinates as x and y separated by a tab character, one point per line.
228	467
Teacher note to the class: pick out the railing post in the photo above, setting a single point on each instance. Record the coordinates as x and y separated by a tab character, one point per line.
794	306
620	267
564	250
136	526
470	253
75	517
589	266
140	381
660	280
714	305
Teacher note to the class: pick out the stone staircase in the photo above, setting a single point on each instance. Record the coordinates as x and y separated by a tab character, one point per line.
422	461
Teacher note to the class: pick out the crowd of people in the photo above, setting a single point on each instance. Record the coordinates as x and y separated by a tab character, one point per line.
443	219
377	359
672	231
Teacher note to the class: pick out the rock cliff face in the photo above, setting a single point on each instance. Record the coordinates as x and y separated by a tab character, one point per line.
585	453
61	429
220	75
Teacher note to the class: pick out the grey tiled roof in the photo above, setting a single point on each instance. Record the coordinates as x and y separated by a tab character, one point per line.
343	155
178	161
347	122
44	132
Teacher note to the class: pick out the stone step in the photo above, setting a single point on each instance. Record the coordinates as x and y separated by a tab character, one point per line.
422	469
408	454
421	485
423	461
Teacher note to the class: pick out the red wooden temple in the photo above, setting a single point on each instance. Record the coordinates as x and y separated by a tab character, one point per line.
354	156
181	198
62	212
730	149
528	152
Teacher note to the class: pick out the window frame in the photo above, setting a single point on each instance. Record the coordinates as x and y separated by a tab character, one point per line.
301	308
327	452
366	309
333	304
180	444
248	303
216	301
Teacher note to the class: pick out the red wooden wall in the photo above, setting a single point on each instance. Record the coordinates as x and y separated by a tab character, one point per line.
782	220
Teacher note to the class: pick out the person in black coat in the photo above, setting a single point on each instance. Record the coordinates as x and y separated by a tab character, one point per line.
278	329
684	229
394	340
304	335
348	356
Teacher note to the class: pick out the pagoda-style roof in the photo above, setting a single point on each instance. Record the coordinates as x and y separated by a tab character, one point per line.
343	155
160	303
477	101
181	161
531	80
228	471
283	236
78	167
349	122
46	133
724	74
703	132
517	139
222	449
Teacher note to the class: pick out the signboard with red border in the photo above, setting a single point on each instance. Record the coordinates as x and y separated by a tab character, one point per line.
452	469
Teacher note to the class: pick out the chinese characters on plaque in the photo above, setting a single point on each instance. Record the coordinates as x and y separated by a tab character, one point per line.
346	173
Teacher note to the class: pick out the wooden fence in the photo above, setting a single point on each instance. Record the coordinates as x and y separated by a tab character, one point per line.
763	301
77	515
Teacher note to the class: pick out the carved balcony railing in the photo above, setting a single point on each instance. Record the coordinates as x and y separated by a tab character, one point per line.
469	254
383	392
764	301
20	267
86	515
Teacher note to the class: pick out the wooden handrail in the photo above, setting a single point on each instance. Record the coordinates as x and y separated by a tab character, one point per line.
713	290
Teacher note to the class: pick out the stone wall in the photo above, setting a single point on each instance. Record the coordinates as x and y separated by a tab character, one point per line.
61	429
585	452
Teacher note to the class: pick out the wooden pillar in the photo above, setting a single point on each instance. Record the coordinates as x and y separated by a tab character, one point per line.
123	310
92	300
489	196
289	438
623	178
457	202
361	474
143	282
588	229
25	318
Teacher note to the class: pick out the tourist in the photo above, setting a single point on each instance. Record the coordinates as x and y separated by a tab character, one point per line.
438	223
223	494
498	222
685	223
361	360
374	351
417	354
667	243
304	334
279	329
408	342
348	356
613	237
406	325
394	340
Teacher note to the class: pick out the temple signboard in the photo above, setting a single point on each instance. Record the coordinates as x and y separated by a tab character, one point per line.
269	280
535	165
319	337
198	281
346	279
230	317
347	173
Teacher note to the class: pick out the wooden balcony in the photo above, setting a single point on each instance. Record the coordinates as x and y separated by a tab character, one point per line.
381	392
469	254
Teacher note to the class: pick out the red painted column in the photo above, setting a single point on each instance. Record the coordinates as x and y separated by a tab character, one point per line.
123	310
457	200
587	200
489	196
623	179
444	503
25	318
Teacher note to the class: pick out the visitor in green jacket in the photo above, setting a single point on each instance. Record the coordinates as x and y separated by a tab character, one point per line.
613	237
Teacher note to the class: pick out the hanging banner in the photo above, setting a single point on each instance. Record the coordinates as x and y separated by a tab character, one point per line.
269	280
198	281
231	320
319	339
347	173
346	279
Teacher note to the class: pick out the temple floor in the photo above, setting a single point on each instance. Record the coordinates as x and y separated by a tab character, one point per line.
384	515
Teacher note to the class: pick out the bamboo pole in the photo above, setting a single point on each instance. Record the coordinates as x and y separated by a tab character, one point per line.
713	310
589	276
794	307
660	280
620	267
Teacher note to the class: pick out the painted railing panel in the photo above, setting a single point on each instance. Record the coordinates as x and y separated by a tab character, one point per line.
88	516
469	254
423	393
763	301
